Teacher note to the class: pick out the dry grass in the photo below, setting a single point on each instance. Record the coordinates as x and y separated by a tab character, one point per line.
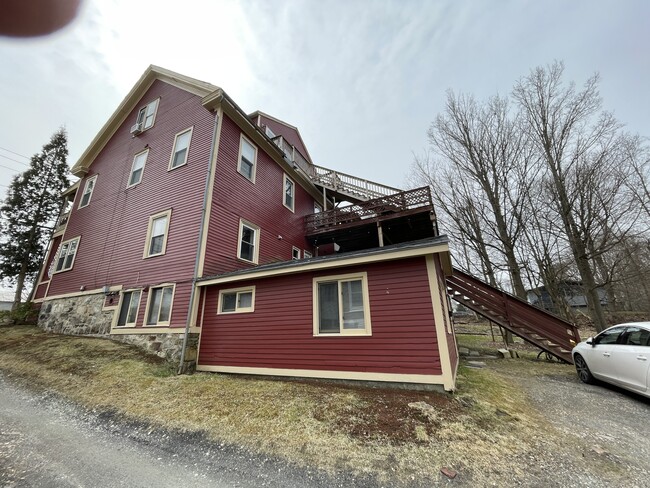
476	431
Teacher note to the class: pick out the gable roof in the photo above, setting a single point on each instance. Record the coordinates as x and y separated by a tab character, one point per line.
293	139
151	74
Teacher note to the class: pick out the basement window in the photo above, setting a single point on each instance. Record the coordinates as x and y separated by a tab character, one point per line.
159	307
129	308
237	300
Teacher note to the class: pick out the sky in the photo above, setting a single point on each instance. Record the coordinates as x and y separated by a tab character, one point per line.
362	80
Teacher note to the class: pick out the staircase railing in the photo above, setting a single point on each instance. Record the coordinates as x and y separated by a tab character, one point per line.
349	184
542	329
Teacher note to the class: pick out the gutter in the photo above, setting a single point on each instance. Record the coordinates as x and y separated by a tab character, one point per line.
188	322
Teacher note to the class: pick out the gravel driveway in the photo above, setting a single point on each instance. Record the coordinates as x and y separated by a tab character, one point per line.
612	428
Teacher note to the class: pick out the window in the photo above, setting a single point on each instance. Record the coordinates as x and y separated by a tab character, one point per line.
157	234
609	336
289	190
635	336
247	158
181	148
147	114
67	252
306	254
341	305
239	300
88	192
159	308
129	308
295	253
318	208
249	241
137	168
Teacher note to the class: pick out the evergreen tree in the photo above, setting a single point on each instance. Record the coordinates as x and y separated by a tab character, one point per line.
29	212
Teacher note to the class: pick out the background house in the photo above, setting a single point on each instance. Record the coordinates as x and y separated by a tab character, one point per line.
200	231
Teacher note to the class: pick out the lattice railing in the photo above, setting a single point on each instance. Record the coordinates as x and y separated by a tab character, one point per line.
377	207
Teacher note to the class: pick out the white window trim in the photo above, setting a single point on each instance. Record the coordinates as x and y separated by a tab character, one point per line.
247	289
94	180
367	331
189	143
239	158
155	114
256	251
128	182
306	254
294	249
74	258
171	306
147	243
284	193
116	317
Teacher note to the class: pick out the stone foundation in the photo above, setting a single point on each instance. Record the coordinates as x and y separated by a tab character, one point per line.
84	315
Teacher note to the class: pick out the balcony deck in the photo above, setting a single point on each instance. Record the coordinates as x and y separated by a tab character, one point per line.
391	219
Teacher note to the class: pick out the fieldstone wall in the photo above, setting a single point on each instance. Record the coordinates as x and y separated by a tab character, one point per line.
83	315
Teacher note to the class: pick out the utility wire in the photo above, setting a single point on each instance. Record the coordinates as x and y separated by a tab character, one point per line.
14	160
7	167
13	152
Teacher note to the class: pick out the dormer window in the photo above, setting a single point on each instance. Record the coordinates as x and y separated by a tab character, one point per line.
146	117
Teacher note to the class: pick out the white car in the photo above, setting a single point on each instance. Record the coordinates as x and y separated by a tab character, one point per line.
619	355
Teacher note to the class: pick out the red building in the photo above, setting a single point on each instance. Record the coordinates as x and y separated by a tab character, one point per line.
208	235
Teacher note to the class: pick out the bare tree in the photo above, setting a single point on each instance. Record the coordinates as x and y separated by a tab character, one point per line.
580	149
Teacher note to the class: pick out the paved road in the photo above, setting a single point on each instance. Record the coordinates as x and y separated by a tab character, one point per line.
47	442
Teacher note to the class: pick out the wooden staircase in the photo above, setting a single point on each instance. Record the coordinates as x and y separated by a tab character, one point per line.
542	329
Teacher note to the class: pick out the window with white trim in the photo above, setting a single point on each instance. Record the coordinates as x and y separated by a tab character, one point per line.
237	300
129	305
67	253
247	158
289	193
181	148
295	253
249	242
341	305
147	115
88	191
159	306
137	168
157	234
306	254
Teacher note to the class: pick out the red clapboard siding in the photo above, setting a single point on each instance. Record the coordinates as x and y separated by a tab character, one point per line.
113	226
260	203
279	334
42	286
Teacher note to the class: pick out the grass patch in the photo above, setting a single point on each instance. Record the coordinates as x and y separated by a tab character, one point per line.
477	431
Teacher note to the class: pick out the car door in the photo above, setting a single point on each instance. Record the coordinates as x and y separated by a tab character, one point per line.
632	359
600	355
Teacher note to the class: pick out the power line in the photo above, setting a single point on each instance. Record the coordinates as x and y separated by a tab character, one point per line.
14	160
13	152
7	167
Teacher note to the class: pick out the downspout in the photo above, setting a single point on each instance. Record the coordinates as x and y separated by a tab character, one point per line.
208	178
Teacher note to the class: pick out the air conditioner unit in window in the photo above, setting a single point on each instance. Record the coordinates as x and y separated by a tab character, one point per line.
136	129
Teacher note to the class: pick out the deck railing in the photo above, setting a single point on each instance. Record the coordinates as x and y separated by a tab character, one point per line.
293	154
376	208
350	184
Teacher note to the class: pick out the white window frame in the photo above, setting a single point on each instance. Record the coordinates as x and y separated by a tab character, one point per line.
65	247
142	115
295	253
306	254
93	180
147	244
146	156
187	152
150	294
367	330
243	138
256	249
237	292
284	193
121	303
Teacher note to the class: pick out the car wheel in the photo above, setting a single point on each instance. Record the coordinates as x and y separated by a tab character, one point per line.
583	370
